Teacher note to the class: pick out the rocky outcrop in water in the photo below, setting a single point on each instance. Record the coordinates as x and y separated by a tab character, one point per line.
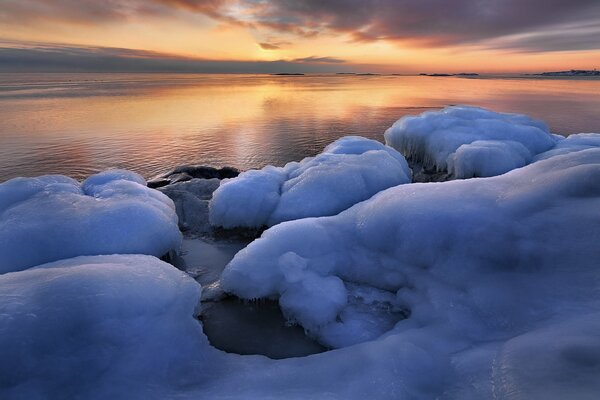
186	173
573	72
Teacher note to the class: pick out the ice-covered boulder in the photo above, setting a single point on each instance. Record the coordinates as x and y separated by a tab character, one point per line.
469	260
469	141
118	326
348	171
54	217
191	200
577	142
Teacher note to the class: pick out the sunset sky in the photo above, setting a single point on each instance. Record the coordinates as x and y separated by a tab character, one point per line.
386	36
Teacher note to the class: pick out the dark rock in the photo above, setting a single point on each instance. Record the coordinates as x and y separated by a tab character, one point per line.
185	173
425	175
181	177
204	172
159	182
191	200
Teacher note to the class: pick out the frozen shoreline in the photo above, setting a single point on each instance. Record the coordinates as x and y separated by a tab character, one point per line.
469	288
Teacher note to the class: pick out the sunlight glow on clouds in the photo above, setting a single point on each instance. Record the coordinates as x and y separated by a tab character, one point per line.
374	35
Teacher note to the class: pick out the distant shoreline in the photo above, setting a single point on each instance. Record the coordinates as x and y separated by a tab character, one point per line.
588	75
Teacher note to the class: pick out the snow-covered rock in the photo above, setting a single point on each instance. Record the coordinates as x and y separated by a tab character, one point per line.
571	143
350	170
484	267
191	200
118	326
55	217
470	289
469	141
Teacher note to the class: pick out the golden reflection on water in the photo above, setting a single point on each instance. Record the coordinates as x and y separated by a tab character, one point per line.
82	123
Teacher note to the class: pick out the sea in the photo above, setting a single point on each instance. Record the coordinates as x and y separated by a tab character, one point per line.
80	124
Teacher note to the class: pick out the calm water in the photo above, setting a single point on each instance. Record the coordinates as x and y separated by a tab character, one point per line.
78	124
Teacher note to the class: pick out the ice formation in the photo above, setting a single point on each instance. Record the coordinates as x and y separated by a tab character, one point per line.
487	268
348	171
54	217
468	289
580	141
95	327
470	141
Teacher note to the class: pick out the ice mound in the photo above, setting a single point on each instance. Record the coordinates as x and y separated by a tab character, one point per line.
580	141
348	171
54	217
469	141
478	260
99	327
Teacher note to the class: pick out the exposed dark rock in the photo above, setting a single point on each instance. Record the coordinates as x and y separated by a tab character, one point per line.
158	182
191	187
191	200
204	172
186	173
424	175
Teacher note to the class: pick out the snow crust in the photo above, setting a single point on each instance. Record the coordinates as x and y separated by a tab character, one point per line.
580	141
96	327
348	171
486	267
469	141
55	217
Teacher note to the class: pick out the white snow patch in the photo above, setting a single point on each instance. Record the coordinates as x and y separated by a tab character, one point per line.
348	171
478	263
96	327
469	141
571	143
54	217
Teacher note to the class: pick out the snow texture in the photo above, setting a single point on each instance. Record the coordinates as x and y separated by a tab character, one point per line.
469	141
54	217
490	270
350	170
94	327
580	141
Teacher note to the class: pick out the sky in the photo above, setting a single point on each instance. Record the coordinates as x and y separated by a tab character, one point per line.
261	36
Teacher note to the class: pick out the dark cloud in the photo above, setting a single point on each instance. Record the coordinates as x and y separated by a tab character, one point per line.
58	58
441	22
269	46
425	22
579	37
94	11
326	60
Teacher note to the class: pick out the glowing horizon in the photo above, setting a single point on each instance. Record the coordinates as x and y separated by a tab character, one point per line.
306	36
